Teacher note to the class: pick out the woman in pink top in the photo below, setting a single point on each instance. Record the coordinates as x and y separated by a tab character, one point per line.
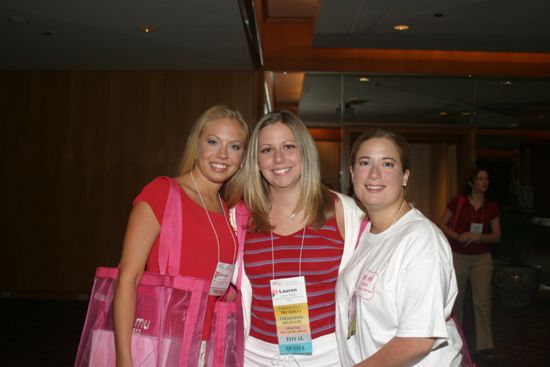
213	154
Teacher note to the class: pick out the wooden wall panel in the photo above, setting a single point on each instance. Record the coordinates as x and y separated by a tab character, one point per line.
329	155
78	147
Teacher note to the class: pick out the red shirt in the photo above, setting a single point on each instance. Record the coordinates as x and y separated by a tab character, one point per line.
321	256
199	249
467	215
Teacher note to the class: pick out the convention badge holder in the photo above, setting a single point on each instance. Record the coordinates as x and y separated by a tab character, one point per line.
291	315
221	279
476	227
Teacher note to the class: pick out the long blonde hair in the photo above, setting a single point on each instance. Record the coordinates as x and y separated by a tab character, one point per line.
249	183
216	112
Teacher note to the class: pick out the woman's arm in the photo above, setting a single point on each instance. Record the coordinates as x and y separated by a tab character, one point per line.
399	352
142	230
339	213
492	237
443	224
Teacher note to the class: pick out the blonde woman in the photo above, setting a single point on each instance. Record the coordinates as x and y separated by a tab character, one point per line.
299	236
212	156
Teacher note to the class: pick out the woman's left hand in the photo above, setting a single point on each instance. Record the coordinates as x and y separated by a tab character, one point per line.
469	237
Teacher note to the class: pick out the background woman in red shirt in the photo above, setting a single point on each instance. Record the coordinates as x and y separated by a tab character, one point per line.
472	225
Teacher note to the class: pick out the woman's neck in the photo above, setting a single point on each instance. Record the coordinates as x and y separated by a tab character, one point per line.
380	221
201	191
477	198
285	200
284	215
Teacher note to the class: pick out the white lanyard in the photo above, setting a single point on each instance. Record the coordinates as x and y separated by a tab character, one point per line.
273	252
290	307
212	223
222	274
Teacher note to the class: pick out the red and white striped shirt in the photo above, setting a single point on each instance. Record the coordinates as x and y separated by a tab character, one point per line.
320	260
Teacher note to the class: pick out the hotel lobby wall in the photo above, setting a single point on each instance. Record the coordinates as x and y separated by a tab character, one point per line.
77	148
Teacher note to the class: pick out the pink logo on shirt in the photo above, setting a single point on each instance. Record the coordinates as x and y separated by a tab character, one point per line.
367	284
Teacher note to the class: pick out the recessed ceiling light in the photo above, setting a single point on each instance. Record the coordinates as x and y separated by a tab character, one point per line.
443	113
465	113
401	27
506	83
18	19
147	28
364	79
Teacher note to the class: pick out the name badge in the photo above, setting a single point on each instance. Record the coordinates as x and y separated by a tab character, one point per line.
291	315
221	279
476	227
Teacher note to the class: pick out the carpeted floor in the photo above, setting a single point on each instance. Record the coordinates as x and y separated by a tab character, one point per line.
43	333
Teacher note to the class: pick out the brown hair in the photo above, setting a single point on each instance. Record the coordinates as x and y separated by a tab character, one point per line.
399	141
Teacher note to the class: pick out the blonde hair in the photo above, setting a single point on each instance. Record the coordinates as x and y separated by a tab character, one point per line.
215	112
250	184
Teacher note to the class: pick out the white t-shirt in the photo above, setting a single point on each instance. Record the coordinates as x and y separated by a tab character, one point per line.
399	282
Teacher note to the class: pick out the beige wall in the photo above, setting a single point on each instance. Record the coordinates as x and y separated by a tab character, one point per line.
77	148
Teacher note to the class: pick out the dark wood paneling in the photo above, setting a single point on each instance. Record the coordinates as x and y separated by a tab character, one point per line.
78	147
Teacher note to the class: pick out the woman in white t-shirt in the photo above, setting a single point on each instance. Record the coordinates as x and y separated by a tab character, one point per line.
395	296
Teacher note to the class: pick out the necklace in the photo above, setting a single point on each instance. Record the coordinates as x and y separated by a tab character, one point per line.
212	223
273	252
290	218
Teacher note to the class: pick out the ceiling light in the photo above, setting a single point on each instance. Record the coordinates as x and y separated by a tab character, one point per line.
364	79
18	19
147	28
465	113
506	83
443	113
401	27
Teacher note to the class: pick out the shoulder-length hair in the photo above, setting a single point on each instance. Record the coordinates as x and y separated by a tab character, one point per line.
467	188
216	112
315	198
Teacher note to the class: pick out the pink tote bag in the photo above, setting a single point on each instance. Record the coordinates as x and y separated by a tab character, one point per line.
170	308
226	344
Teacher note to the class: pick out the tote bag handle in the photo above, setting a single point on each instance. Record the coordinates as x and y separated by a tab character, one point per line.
171	232
457	214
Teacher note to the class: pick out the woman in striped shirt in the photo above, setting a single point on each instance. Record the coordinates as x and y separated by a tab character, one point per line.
299	236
